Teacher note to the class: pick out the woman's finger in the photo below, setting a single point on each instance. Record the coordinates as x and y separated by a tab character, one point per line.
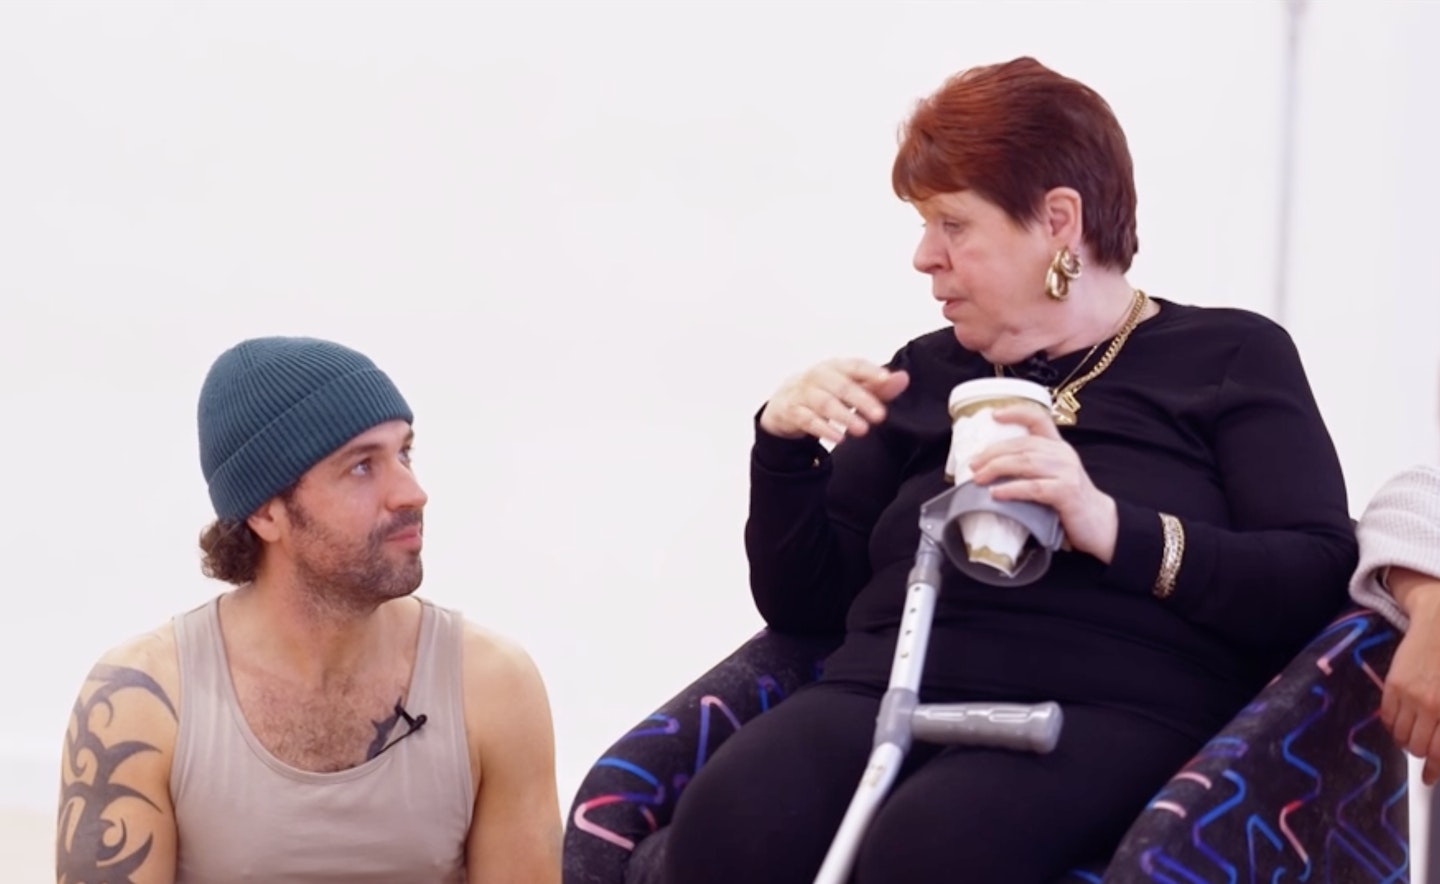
820	428
852	394
1031	417
1026	459
829	407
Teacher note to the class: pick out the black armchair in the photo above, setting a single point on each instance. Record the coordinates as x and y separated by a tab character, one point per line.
1303	784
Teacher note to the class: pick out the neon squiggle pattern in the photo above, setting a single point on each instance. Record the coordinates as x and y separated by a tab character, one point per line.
710	707
1303	785
1323	798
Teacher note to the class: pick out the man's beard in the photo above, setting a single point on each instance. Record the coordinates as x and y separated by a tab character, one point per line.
350	579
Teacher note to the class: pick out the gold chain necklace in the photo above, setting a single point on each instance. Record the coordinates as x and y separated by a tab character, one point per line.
1079	365
1065	406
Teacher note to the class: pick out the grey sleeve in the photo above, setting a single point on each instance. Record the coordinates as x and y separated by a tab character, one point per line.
1400	528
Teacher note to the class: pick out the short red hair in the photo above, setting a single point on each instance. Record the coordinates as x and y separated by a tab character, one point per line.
1011	132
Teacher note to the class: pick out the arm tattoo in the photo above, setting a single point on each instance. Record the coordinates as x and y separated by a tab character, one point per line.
100	852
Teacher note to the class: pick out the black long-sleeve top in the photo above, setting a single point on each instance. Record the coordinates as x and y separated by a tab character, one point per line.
1205	414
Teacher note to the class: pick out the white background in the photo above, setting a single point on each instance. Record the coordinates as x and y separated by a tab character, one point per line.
587	239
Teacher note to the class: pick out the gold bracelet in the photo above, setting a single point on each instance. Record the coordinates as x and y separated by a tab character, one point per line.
1171	557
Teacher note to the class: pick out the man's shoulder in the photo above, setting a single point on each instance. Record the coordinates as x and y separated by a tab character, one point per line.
490	655
131	696
507	707
152	654
118	747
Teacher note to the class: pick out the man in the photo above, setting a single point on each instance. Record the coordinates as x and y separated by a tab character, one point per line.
318	722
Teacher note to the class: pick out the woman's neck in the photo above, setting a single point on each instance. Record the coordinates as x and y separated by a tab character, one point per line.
1093	312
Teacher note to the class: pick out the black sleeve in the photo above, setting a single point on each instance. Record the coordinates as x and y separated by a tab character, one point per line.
1278	572
811	512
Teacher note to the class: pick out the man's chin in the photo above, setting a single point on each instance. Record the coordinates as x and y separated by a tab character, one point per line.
402	582
417	579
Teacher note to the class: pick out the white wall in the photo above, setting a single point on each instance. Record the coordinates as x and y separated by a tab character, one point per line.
587	240
1365	306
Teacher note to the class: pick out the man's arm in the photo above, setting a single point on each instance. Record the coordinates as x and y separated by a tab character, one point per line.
115	822
516	831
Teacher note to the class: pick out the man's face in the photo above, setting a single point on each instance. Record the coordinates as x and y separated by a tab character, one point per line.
355	521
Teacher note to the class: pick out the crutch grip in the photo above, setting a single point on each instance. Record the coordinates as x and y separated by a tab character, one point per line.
1024	727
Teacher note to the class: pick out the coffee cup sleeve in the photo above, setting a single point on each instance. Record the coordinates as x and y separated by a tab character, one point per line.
1043	523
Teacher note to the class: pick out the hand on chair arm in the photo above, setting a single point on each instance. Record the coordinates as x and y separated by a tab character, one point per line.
1411	704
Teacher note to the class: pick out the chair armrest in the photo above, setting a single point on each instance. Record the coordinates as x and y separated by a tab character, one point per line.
1303	780
631	791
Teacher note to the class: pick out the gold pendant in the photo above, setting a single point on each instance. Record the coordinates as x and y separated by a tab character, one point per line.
1065	409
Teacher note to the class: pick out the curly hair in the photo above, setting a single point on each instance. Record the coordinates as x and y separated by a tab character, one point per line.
231	548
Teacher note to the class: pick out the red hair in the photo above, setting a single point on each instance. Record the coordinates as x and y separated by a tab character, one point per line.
1011	132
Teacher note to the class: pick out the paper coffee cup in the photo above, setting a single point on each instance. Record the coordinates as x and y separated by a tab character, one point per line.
990	538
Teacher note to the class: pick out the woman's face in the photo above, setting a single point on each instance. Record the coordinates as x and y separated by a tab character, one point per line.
987	271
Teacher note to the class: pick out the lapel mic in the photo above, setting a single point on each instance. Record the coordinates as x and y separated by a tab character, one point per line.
1038	368
413	723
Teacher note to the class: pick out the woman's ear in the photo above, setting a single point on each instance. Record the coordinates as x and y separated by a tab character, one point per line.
1063	218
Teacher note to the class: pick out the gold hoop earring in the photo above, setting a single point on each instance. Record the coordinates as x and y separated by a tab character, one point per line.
1065	267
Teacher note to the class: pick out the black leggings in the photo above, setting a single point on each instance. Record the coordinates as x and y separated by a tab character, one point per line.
765	808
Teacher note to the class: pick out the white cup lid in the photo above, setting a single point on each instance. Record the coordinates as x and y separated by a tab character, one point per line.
991	388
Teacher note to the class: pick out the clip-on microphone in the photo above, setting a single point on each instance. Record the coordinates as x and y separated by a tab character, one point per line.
413	723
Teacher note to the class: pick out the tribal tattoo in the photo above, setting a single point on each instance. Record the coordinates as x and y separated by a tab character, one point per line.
90	849
382	733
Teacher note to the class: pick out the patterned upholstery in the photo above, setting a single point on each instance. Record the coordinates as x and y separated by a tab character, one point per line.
1304	784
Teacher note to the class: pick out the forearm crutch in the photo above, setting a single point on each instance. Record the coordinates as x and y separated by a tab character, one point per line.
902	718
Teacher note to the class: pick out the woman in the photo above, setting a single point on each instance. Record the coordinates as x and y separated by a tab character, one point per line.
1194	479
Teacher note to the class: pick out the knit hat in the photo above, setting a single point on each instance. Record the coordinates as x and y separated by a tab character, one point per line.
273	407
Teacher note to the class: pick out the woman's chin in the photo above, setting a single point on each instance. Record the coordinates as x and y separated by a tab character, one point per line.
974	343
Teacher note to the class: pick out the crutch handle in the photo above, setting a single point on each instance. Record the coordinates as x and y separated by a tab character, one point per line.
1024	727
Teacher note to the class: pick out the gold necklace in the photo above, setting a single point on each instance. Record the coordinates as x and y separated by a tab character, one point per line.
1079	365
1065	406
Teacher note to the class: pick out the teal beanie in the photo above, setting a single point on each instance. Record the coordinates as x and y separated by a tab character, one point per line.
271	408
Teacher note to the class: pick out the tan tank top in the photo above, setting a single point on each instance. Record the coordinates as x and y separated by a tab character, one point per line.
244	815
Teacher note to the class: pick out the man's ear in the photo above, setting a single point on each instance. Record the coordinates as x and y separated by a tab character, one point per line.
1063	217
269	521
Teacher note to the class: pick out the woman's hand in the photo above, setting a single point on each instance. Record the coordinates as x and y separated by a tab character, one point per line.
836	397
1410	705
1044	468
